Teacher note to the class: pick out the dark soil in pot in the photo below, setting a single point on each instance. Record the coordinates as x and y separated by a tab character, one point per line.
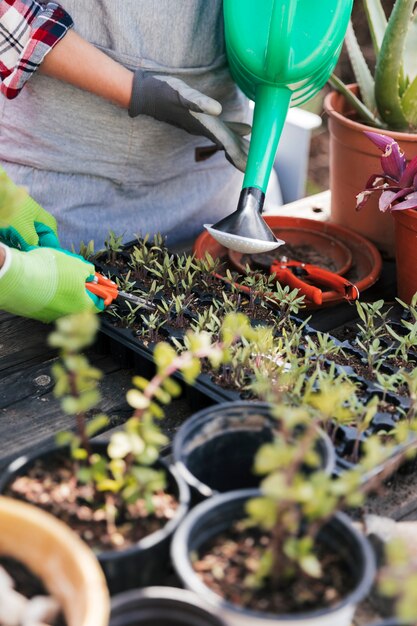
135	552
243	549
27	583
50	485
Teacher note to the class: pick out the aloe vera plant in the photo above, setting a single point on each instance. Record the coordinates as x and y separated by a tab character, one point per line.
389	98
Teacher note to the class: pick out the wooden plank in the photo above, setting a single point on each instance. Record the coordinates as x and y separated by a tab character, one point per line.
34	421
23	341
35	380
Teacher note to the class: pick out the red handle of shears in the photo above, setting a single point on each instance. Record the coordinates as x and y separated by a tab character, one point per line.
103	288
283	272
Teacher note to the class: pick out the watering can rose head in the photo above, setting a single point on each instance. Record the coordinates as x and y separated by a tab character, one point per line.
397	183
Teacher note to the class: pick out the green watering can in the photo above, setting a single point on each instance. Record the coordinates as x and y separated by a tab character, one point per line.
281	53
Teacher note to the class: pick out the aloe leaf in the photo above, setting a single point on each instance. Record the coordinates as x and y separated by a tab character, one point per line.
377	22
366	115
409	104
410	56
389	66
360	68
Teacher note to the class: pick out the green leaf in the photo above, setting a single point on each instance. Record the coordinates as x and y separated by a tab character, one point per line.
311	565
164	356
64	438
137	400
96	424
79	454
140	382
367	116
409	56
409	103
377	22
389	65
360	68
119	446
262	511
172	387
191	370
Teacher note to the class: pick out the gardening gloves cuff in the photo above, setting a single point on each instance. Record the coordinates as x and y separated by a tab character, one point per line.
29	225
171	100
45	284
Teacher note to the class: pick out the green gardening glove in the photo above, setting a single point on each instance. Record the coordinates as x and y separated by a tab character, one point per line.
45	284
29	225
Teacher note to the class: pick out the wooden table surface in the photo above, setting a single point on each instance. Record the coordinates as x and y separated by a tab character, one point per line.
30	416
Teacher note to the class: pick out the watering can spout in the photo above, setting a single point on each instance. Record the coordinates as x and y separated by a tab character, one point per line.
245	230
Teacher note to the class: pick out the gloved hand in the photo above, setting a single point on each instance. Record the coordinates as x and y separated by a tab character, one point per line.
30	225
169	99
45	284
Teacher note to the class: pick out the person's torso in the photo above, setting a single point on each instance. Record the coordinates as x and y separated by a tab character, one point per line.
52	125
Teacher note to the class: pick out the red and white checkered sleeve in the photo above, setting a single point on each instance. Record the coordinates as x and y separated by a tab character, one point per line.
28	31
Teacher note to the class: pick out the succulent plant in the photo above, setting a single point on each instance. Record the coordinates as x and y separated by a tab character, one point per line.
397	183
389	98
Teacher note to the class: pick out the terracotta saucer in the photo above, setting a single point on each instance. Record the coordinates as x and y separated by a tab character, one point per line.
301	244
366	262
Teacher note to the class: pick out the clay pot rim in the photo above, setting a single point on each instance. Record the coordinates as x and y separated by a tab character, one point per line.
91	577
408	217
331	110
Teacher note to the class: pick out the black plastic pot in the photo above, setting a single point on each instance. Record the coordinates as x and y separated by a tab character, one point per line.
214	450
147	562
161	606
217	515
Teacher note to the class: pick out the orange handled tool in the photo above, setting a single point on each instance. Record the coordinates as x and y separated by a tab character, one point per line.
108	290
295	273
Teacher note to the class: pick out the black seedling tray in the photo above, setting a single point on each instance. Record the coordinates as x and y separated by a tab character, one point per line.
131	352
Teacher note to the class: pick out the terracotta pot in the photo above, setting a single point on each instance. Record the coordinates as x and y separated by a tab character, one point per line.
353	159
406	249
65	565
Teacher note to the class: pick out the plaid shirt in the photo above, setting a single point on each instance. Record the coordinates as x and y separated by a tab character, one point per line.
28	31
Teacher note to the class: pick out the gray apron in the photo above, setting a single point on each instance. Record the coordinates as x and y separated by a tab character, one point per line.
92	166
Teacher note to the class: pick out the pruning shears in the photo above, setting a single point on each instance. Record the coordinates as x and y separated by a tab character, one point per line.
295	273
108	290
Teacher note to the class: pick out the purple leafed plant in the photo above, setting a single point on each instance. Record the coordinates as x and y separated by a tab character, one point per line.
398	181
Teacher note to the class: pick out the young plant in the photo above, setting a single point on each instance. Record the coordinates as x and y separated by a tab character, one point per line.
287	301
397	579
295	507
388	98
113	245
407	340
322	347
151	329
127	472
86	250
372	330
207	269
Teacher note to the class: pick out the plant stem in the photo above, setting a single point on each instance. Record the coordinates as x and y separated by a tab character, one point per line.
80	417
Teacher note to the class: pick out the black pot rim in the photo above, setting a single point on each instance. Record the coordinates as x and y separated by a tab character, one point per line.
146	542
159	593
183	567
178	444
